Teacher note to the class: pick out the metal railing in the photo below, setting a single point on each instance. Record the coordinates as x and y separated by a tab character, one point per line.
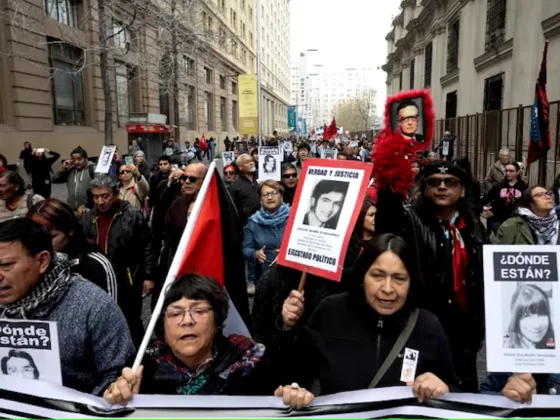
481	136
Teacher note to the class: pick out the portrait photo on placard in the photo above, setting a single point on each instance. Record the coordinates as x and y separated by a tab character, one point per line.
326	203
407	116
269	165
227	158
527	316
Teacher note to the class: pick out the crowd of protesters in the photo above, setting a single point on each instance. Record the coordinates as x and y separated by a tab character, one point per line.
413	269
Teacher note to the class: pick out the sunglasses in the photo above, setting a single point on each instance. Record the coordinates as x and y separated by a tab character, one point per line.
289	176
191	179
449	182
124	172
226	173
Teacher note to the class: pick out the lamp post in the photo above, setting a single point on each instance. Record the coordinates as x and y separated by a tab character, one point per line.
259	71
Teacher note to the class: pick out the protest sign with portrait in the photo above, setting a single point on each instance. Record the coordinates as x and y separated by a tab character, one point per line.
242	147
29	350
327	202
227	158
329	153
411	113
270	163
521	296
105	159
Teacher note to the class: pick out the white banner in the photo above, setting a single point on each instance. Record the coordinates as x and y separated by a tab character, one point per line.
270	163
105	159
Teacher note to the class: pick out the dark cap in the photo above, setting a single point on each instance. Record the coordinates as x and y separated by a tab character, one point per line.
449	168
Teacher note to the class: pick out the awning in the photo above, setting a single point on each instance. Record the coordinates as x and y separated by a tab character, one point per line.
148	128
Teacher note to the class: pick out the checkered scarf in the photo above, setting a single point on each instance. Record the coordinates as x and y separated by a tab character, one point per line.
50	290
544	227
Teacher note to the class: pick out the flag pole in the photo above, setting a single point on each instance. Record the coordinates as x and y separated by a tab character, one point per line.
176	264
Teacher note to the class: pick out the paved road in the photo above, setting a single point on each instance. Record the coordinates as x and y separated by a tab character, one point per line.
60	192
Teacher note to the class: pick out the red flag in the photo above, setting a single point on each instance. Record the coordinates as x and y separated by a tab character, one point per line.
214	248
333	131
202	143
325	132
539	136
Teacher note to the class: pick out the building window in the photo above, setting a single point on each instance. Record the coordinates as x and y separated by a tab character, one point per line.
190	107
223	113
495	23
234	114
243	4
243	33
209	110
453	46
250	12
66	62
400	81
222	36
234	48
63	11
222	7
233	19
122	37
164	101
234	88
251	38
493	93
451	105
222	82
125	92
411	76
244	56
428	57
190	65
208	75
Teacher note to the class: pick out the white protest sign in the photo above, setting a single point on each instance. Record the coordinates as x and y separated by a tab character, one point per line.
328	199
329	153
269	163
522	297
227	158
105	159
288	147
29	350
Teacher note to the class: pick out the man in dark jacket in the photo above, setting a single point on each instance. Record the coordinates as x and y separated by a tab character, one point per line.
446	146
244	191
448	241
289	182
124	237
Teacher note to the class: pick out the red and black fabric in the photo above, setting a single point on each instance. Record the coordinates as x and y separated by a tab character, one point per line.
539	137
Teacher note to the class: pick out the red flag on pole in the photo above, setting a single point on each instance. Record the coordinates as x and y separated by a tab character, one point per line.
202	143
539	136
333	131
325	132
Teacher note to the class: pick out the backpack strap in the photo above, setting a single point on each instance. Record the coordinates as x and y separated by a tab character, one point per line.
30	201
397	347
91	170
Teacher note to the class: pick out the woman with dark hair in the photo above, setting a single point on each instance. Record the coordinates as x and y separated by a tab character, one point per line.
19	363
350	340
537	221
68	238
363	234
474	190
41	170
531	324
15	201
193	357
500	202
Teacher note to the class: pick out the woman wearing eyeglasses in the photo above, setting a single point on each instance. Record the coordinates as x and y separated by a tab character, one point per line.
265	228
536	223
133	187
193	357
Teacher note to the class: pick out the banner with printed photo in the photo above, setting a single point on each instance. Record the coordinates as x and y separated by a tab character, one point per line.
270	163
522	297
105	159
329	153
248	105
227	158
29	350
328	200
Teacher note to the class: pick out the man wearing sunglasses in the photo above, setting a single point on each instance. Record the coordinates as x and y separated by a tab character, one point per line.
448	240
408	117
289	182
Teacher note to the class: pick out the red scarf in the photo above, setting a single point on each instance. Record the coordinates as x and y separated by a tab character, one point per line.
460	259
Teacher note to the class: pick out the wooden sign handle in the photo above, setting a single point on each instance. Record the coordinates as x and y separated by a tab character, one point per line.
302	281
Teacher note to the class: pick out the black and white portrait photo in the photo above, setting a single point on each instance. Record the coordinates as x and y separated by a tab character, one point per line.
105	159
269	165
19	363
527	316
327	200
407	116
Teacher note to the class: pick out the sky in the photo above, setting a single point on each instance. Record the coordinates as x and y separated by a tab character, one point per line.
347	33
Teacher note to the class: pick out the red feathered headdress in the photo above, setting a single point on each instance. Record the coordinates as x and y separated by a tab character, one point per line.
394	153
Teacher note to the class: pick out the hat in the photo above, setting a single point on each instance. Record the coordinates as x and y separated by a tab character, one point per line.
449	168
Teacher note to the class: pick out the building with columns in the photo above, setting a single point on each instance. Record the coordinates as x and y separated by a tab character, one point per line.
474	55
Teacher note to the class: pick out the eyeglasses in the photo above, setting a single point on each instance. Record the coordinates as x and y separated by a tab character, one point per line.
449	182
226	173
543	194
126	171
177	315
286	176
406	119
191	179
272	193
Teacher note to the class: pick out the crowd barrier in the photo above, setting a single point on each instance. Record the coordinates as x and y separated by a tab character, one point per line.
34	399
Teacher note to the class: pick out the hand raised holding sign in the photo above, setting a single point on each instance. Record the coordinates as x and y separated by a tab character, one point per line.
520	387
292	310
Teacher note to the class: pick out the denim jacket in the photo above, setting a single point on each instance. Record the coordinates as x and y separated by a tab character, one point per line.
256	236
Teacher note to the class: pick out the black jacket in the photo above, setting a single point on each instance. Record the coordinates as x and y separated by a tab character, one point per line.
95	267
420	228
503	198
245	196
289	194
346	342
